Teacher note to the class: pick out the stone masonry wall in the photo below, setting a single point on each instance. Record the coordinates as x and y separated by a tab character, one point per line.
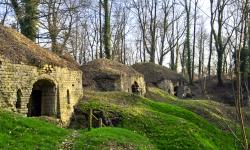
167	86
122	82
127	81
14	77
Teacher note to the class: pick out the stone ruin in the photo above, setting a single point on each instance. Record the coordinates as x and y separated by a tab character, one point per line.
34	81
107	75
184	92
164	78
37	82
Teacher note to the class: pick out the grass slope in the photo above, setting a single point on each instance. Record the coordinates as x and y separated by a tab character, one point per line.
112	138
144	124
167	126
220	114
22	133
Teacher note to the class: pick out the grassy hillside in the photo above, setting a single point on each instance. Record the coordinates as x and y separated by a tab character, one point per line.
217	113
112	138
22	133
142	124
167	126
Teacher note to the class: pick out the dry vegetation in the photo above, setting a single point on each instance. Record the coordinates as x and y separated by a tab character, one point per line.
154	73
105	67
16	48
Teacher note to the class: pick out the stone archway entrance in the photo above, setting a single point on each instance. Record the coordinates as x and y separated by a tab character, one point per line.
43	99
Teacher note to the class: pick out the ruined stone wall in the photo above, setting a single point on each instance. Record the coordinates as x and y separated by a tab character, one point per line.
127	81
14	77
70	91
167	86
106	82
122	82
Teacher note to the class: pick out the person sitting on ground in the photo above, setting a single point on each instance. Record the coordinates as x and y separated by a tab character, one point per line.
135	88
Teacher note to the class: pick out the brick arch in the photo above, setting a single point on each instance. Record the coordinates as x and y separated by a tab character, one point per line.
43	96
45	77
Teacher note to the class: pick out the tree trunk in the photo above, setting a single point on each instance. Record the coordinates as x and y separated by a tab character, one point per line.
219	68
153	31
177	48
100	28
211	39
194	34
176	57
27	17
238	77
210	55
107	34
187	42
200	56
161	60
172	52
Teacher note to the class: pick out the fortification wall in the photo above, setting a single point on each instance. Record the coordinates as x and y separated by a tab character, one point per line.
127	81
17	80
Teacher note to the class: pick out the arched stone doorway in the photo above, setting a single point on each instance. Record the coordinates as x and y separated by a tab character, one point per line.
43	99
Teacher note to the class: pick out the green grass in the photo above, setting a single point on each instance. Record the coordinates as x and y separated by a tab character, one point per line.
159	95
167	126
145	124
217	113
112	138
22	133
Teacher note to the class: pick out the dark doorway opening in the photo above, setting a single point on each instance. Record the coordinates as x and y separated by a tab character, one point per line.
18	99
43	99
35	109
176	90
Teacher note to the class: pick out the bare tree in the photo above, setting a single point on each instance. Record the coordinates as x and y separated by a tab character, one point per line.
238	100
146	12
201	45
211	38
120	16
142	15
164	30
57	19
6	11
220	45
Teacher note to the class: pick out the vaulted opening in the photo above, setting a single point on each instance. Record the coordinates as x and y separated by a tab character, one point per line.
176	90
43	99
18	99
68	97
